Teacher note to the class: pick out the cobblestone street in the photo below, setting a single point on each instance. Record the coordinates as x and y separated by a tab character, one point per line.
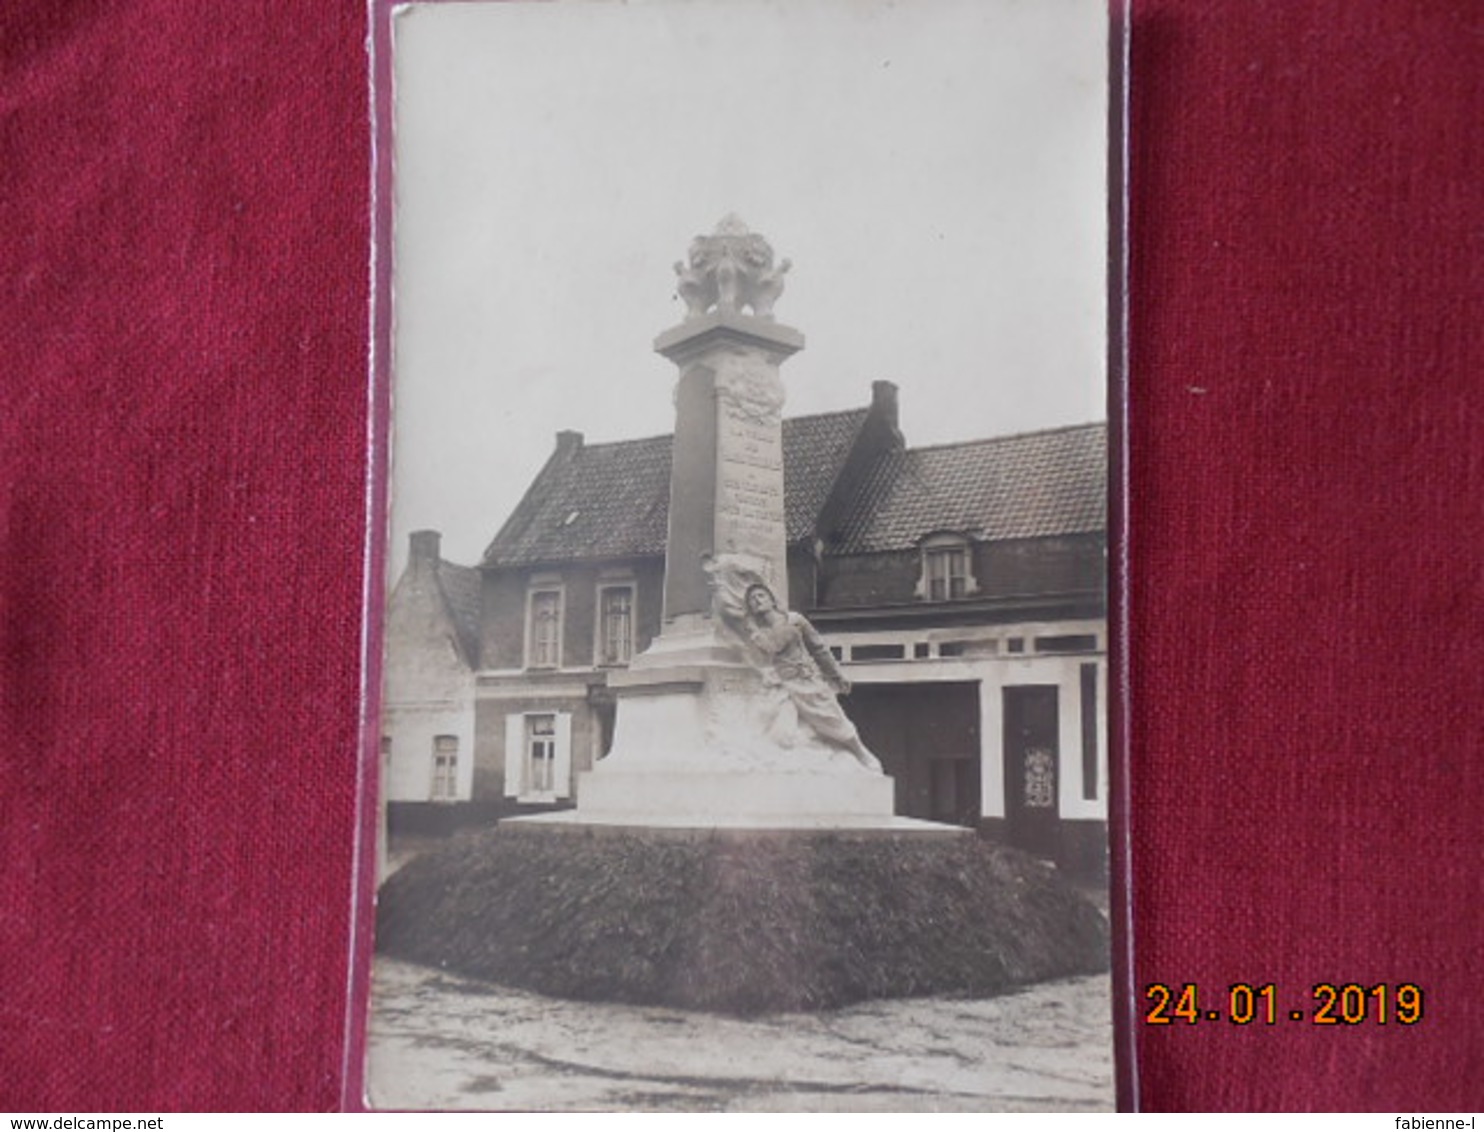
441	1042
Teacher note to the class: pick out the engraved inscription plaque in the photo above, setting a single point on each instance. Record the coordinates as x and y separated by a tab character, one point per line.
749	465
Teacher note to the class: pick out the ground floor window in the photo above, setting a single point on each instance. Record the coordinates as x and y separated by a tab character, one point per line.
540	753
446	768
538	756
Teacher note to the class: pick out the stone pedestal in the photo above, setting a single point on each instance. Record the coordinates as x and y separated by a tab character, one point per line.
698	741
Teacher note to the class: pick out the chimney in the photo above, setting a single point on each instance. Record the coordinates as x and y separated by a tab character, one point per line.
424	549
884	404
568	443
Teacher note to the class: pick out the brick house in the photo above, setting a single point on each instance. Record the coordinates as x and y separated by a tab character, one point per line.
962	586
428	689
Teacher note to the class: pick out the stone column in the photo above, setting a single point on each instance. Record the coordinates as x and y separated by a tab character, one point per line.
726	483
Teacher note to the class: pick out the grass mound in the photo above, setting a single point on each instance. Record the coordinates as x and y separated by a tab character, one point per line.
738	925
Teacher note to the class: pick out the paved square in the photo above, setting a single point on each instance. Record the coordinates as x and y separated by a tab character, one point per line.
443	1042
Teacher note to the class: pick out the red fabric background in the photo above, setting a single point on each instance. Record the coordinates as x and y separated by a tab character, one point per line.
183	192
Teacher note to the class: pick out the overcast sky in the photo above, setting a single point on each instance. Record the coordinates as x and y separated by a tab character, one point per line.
933	168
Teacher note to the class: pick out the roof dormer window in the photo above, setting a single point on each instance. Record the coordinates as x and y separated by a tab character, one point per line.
947	568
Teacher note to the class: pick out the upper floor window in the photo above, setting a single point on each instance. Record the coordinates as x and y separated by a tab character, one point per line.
947	569
445	768
615	624
544	634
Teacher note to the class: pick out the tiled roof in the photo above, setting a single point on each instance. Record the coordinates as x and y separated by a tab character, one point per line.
613	500
814	451
605	501
461	586
1025	486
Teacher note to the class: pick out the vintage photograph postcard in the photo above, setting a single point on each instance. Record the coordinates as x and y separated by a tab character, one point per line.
744	647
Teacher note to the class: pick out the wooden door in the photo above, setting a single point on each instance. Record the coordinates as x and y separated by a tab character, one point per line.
1032	769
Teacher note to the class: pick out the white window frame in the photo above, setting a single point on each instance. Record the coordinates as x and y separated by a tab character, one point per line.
943	547
520	738
445	776
600	624
535	592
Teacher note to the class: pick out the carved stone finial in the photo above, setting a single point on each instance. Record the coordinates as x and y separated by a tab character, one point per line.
728	270
732	225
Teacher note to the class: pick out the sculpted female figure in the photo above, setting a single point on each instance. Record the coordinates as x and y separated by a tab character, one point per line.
789	651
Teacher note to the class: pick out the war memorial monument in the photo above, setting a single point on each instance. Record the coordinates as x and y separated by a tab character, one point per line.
730	718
